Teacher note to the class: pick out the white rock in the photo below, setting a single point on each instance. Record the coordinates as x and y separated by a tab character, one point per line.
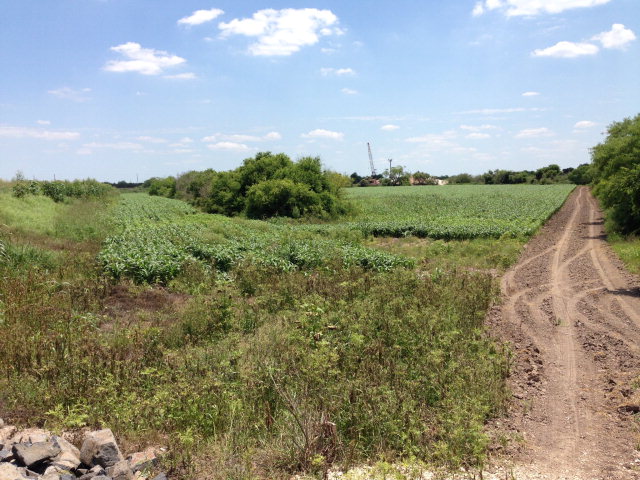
10	472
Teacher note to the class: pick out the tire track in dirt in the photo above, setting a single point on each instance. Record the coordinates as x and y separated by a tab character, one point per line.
571	314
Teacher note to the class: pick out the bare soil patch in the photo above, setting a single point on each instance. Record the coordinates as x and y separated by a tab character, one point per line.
571	314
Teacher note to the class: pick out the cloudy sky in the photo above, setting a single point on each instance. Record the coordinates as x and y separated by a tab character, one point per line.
126	89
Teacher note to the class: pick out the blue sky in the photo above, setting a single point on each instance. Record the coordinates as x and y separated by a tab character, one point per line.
126	89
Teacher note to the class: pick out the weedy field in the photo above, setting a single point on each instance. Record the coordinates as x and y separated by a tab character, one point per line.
257	349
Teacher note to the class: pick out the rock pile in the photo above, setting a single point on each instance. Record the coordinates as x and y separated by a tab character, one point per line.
35	454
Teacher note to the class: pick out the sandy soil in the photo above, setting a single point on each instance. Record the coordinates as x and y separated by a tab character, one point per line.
571	314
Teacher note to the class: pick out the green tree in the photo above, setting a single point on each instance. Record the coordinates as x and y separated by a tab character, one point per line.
281	197
616	175
309	190
397	176
163	187
620	149
423	178
581	175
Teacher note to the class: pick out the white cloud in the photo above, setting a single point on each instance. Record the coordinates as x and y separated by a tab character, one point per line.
72	94
530	94
478	136
349	91
535	133
283	32
114	145
493	111
272	136
182	76
567	50
515	8
146	61
23	132
477	128
338	72
237	137
148	139
321	133
584	124
617	37
478	9
201	16
43	122
389	128
435	139
229	146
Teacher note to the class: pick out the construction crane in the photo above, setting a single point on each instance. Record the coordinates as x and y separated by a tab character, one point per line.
373	168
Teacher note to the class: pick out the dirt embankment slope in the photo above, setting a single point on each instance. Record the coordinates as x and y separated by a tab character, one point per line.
571	313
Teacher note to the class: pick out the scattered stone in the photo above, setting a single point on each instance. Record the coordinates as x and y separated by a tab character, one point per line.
5	434
96	471
143	460
120	471
10	472
69	456
30	435
100	448
35	453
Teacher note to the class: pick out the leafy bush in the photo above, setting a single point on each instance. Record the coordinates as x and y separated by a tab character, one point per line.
284	198
620	195
163	187
581	175
616	172
264	186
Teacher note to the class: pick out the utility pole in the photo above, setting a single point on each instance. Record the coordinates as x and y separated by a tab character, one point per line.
390	160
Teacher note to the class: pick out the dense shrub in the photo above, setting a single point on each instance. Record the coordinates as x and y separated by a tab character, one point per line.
616	174
581	175
264	186
163	187
284	198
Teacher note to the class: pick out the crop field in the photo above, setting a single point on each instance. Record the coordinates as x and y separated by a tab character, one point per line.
455	211
157	236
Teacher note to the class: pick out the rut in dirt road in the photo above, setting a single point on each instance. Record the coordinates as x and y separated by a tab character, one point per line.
572	315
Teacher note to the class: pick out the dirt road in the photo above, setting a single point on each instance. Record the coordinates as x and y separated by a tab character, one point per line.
572	316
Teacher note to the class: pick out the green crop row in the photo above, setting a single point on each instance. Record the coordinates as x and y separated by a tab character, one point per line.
156	237
455	212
